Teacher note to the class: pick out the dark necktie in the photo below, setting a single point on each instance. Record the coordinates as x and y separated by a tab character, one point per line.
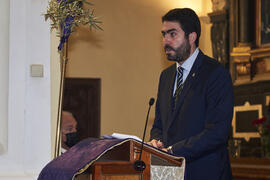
179	85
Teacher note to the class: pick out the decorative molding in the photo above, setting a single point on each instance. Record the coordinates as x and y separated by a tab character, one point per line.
219	5
260	53
219	36
205	19
246	107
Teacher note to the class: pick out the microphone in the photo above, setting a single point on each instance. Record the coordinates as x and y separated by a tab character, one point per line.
139	165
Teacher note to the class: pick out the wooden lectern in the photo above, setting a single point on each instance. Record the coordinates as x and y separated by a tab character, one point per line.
117	163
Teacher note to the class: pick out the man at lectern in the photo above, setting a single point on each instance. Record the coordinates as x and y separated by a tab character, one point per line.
194	103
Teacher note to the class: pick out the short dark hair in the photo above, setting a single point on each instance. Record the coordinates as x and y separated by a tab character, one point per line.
187	19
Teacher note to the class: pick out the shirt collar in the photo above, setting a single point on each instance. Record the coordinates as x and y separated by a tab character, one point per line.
187	65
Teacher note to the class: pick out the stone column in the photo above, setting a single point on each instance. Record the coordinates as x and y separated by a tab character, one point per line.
246	21
220	31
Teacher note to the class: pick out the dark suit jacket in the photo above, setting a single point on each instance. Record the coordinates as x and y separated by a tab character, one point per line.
199	126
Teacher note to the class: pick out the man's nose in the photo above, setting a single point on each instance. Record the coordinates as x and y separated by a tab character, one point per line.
74	129
166	40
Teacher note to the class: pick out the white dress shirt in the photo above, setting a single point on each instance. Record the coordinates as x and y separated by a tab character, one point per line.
187	65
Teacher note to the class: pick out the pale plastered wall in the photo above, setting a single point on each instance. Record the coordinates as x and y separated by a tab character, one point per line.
27	105
4	51
128	57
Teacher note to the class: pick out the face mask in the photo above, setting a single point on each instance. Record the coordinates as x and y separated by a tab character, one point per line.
71	139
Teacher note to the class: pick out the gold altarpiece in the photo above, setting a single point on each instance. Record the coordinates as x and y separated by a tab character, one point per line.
241	42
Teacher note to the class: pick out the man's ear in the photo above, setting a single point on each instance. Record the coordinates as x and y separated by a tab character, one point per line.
192	37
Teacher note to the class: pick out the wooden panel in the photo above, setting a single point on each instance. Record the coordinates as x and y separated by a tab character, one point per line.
111	167
82	99
121	177
250	168
119	153
83	177
116	170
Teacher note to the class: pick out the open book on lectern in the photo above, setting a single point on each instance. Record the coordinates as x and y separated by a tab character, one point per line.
125	136
122	136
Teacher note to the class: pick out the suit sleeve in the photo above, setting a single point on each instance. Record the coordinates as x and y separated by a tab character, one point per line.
156	131
219	110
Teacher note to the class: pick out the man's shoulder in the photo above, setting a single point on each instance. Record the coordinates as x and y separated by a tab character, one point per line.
214	70
211	63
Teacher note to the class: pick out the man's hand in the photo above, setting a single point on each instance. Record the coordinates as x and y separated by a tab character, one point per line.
168	149
156	143
164	149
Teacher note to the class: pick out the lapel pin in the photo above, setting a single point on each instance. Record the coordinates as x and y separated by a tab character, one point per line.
193	75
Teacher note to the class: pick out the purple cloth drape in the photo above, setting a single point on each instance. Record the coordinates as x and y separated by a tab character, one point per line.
64	167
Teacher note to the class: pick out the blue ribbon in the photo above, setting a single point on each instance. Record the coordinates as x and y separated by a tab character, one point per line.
65	27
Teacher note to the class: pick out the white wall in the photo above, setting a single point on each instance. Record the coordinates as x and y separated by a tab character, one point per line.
28	133
4	51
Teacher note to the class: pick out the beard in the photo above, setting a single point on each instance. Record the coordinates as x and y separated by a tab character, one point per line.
181	53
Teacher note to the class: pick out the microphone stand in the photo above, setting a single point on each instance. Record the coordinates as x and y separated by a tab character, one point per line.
139	165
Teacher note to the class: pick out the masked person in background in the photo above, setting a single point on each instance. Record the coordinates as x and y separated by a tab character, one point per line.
68	131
